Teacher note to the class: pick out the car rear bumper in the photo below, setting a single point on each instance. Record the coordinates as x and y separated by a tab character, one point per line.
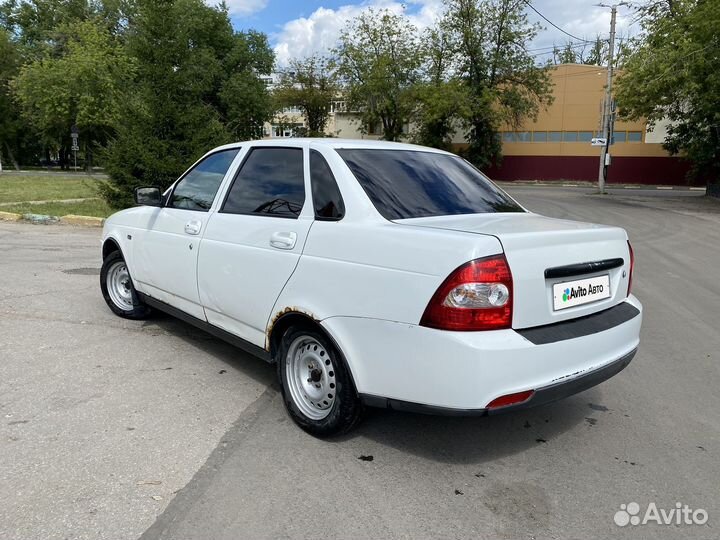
542	396
408	367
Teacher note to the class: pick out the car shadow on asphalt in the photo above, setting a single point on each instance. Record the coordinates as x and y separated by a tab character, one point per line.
466	440
461	440
236	359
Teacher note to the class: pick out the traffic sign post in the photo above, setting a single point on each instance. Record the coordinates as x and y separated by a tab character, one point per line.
75	133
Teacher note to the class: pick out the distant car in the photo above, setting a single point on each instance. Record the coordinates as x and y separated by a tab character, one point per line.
379	274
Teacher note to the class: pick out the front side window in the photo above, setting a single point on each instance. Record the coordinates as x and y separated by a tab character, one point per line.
270	182
327	200
411	184
197	189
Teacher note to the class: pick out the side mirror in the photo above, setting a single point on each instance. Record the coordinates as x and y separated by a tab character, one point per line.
148	196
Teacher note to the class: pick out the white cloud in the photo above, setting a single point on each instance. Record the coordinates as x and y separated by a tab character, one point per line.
319	31
241	7
581	19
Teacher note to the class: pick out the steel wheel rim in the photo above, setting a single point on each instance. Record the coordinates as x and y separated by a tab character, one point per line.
119	286
310	374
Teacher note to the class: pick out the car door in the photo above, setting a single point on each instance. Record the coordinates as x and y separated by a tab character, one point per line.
166	251
253	243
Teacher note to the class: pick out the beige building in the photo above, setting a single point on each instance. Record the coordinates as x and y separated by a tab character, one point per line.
557	146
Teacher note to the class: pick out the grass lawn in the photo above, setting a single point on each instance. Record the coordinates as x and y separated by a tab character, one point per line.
94	207
44	187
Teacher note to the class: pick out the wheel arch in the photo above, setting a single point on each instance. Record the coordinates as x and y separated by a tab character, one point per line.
110	245
291	318
284	320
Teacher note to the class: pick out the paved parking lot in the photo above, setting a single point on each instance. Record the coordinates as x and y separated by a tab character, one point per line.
116	429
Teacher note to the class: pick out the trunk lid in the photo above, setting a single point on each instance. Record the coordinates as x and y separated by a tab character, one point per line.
534	244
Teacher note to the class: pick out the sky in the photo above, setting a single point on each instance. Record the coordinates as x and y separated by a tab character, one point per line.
298	28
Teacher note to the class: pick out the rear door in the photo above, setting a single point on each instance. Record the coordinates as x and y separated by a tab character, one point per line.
253	243
165	253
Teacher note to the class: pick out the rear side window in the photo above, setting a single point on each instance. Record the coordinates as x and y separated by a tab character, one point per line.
197	189
411	184
270	182
327	200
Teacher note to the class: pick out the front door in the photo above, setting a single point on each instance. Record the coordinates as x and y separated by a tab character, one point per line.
253	243
166	252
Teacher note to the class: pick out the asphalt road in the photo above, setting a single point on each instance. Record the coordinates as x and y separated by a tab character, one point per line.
112	429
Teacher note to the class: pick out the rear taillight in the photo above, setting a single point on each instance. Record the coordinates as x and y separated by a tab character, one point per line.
632	267
476	296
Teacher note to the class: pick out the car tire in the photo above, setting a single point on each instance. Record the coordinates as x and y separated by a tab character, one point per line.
118	289
316	384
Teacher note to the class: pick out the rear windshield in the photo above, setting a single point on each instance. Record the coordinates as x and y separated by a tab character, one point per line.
412	184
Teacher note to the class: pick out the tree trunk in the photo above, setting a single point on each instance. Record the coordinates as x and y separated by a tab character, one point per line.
12	156
88	158
713	189
63	159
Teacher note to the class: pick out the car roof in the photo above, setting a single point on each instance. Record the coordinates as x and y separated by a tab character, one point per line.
334	143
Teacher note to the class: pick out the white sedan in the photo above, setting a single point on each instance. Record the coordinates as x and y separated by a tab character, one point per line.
377	274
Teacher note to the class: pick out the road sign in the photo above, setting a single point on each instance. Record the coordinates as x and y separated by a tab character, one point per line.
75	148
598	141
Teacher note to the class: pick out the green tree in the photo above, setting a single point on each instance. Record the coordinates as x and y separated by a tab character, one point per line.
594	53
81	83
442	99
197	86
379	58
505	85
674	75
245	103
310	84
10	124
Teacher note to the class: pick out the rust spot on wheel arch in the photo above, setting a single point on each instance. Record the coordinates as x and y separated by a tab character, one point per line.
286	311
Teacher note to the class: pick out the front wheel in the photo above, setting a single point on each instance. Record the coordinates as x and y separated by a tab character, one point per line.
118	290
316	385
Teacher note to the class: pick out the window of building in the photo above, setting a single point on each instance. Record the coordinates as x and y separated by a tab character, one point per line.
540	136
338	106
620	136
270	182
634	136
585	136
197	189
328	202
523	136
284	131
508	136
555	136
570	136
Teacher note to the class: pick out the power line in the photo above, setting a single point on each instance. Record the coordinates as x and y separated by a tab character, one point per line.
571	45
553	24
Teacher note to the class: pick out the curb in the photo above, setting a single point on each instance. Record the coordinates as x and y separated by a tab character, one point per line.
86	221
70	219
9	216
581	184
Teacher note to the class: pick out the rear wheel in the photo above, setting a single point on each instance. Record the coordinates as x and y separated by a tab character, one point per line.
316	385
118	290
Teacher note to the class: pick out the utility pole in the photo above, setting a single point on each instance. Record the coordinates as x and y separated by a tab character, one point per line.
607	107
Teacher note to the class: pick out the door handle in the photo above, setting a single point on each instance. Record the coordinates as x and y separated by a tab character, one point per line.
283	240
193	227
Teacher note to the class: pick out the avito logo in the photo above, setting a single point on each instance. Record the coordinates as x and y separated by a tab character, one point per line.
580	291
